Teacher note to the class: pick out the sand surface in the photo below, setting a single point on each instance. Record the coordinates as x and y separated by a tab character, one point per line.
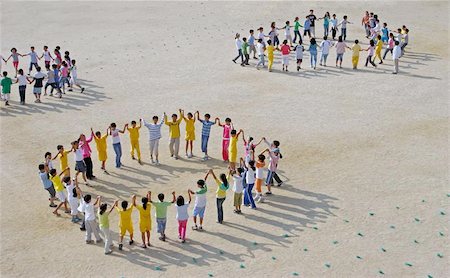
354	143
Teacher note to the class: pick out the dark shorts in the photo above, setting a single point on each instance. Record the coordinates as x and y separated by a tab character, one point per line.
80	166
51	191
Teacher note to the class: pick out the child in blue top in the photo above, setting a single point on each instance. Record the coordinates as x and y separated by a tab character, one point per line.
307	28
313	52
384	33
206	130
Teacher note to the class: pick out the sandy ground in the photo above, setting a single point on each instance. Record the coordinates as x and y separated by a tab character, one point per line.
355	143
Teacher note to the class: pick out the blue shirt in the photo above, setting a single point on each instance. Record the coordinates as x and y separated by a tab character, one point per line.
46	182
313	48
206	129
307	24
56	71
251	40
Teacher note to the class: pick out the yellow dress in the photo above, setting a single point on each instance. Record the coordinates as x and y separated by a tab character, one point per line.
232	149
63	161
125	223
190	129
134	141
145	219
270	50
101	147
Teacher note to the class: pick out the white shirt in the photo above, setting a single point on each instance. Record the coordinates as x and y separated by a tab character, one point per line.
47	55
299	52
182	213
154	130
33	57
261	36
325	46
333	22
397	52
260	173
344	24
238	187
260	48
287	30
78	155
73	72
88	209
22	80
238	44
250	176
115	136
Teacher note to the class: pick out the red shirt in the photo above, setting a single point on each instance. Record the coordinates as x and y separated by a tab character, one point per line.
285	49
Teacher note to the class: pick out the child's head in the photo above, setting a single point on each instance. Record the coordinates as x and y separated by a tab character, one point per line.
75	144
161	197
240	170
385	24
345	17
399	30
66	180
287	22
251	163
144	201
155	119
113	126
207	116
340	39
372	43
260	40
58	47
312	41
103	208
244	39
397	42
334	15
53	172
269	42
5	73
272	24
133	123
237	36
325	38
32	49
174	117
233	133
87	198
13	50
356	41
47	67
252	31
45	47
379	37
48	155
296	18
54	66
276	143
190	116
124	205
285	42
98	134
311	11
66	53
224	180
260	29
228	121
60	148
261	158
391	35
64	63
73	62
406	30
20	71
200	183
41	167
180	201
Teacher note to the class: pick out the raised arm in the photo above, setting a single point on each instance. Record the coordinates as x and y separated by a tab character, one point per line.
218	122
207	174
62	172
133	200
197	115
124	127
97	201
149	194
140	123
173	197
239	133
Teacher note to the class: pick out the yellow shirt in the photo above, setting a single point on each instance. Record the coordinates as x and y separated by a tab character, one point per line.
221	191
174	127
144	214
101	143
356	48
190	124
379	46
134	133
63	159
270	50
57	184
125	217
233	144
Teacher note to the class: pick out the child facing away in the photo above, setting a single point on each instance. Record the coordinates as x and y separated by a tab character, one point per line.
227	127
125	222
390	45
356	48
47	183
190	133
134	139
23	81
154	130
90	222
221	193
273	164
250	178
232	149
182	216
206	130
161	213
74	76
200	203
80	166
145	219
270	54
378	48
100	142
260	47
274	146
6	88
115	139
259	178
325	46
285	50
73	192
174	133
103	219
63	160
313	52
59	191
38	79
238	188
299	55
370	51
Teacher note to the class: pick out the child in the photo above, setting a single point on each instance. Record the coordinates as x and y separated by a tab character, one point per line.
33	59
200	203
313	52
154	130
405	39
396	54
174	133
285	50
384	33
227	127
261	36
23	81
334	24
47	183
297	26
238	189
370	51
74	76
64	70
250	178
67	58
259	177
273	163
343	25
72	197
134	139
38	79
238	43
390	45
80	167
260	47
59	188
90	221
103	219
326	23
100	142
161	213
340	50
51	80
325	46
15	58
190	133
270	50
47	56
275	146
6	87
307	28
145	219
378	48
251	44
86	150
245	52
287	32
356	48
125	223
206	130
299	55
48	160
221	193
58	59
232	149
114	132
182	216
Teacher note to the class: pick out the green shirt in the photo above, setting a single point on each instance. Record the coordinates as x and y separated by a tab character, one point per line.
6	85
203	190
244	48
296	26
103	219
161	209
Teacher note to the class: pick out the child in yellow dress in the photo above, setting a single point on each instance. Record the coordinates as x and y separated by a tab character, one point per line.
145	219
190	133
270	51
100	141
232	149
125	223
134	139
62	155
378	48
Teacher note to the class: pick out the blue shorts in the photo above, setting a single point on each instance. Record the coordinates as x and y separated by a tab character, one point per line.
161	224
200	211
340	57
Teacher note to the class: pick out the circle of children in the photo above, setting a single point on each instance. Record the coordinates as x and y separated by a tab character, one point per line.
63	71
246	173
379	37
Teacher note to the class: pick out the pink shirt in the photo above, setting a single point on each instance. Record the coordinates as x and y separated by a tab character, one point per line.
391	43
371	49
340	47
285	49
226	131
85	149
273	162
64	72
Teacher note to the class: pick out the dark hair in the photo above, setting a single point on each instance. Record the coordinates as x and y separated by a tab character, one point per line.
244	39
13	49
64	63
340	39
356	41
312	41
174	115
73	62
103	208
87	198
251	163
66	179
21	71
59	147
53	172
372	43
144	202
180	201
240	170
251	31
5	73
54	66
261	157
201	183
38	68
113	125
379	37
345	17
133	122
47	153
287	22
41	166
224	180
97	133
207	115
161	197
269	42
74	192
324	38
397	42
66	52
47	67
155	118
190	114
285	42
233	132
124	205
276	143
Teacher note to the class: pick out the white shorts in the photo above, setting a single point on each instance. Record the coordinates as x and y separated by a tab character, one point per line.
73	80
61	196
285	60
5	97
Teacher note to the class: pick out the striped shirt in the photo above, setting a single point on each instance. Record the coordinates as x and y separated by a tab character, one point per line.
206	129
154	130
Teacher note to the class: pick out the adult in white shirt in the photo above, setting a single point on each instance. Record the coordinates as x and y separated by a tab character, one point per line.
325	46
260	48
154	130
396	54
239	48
90	222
